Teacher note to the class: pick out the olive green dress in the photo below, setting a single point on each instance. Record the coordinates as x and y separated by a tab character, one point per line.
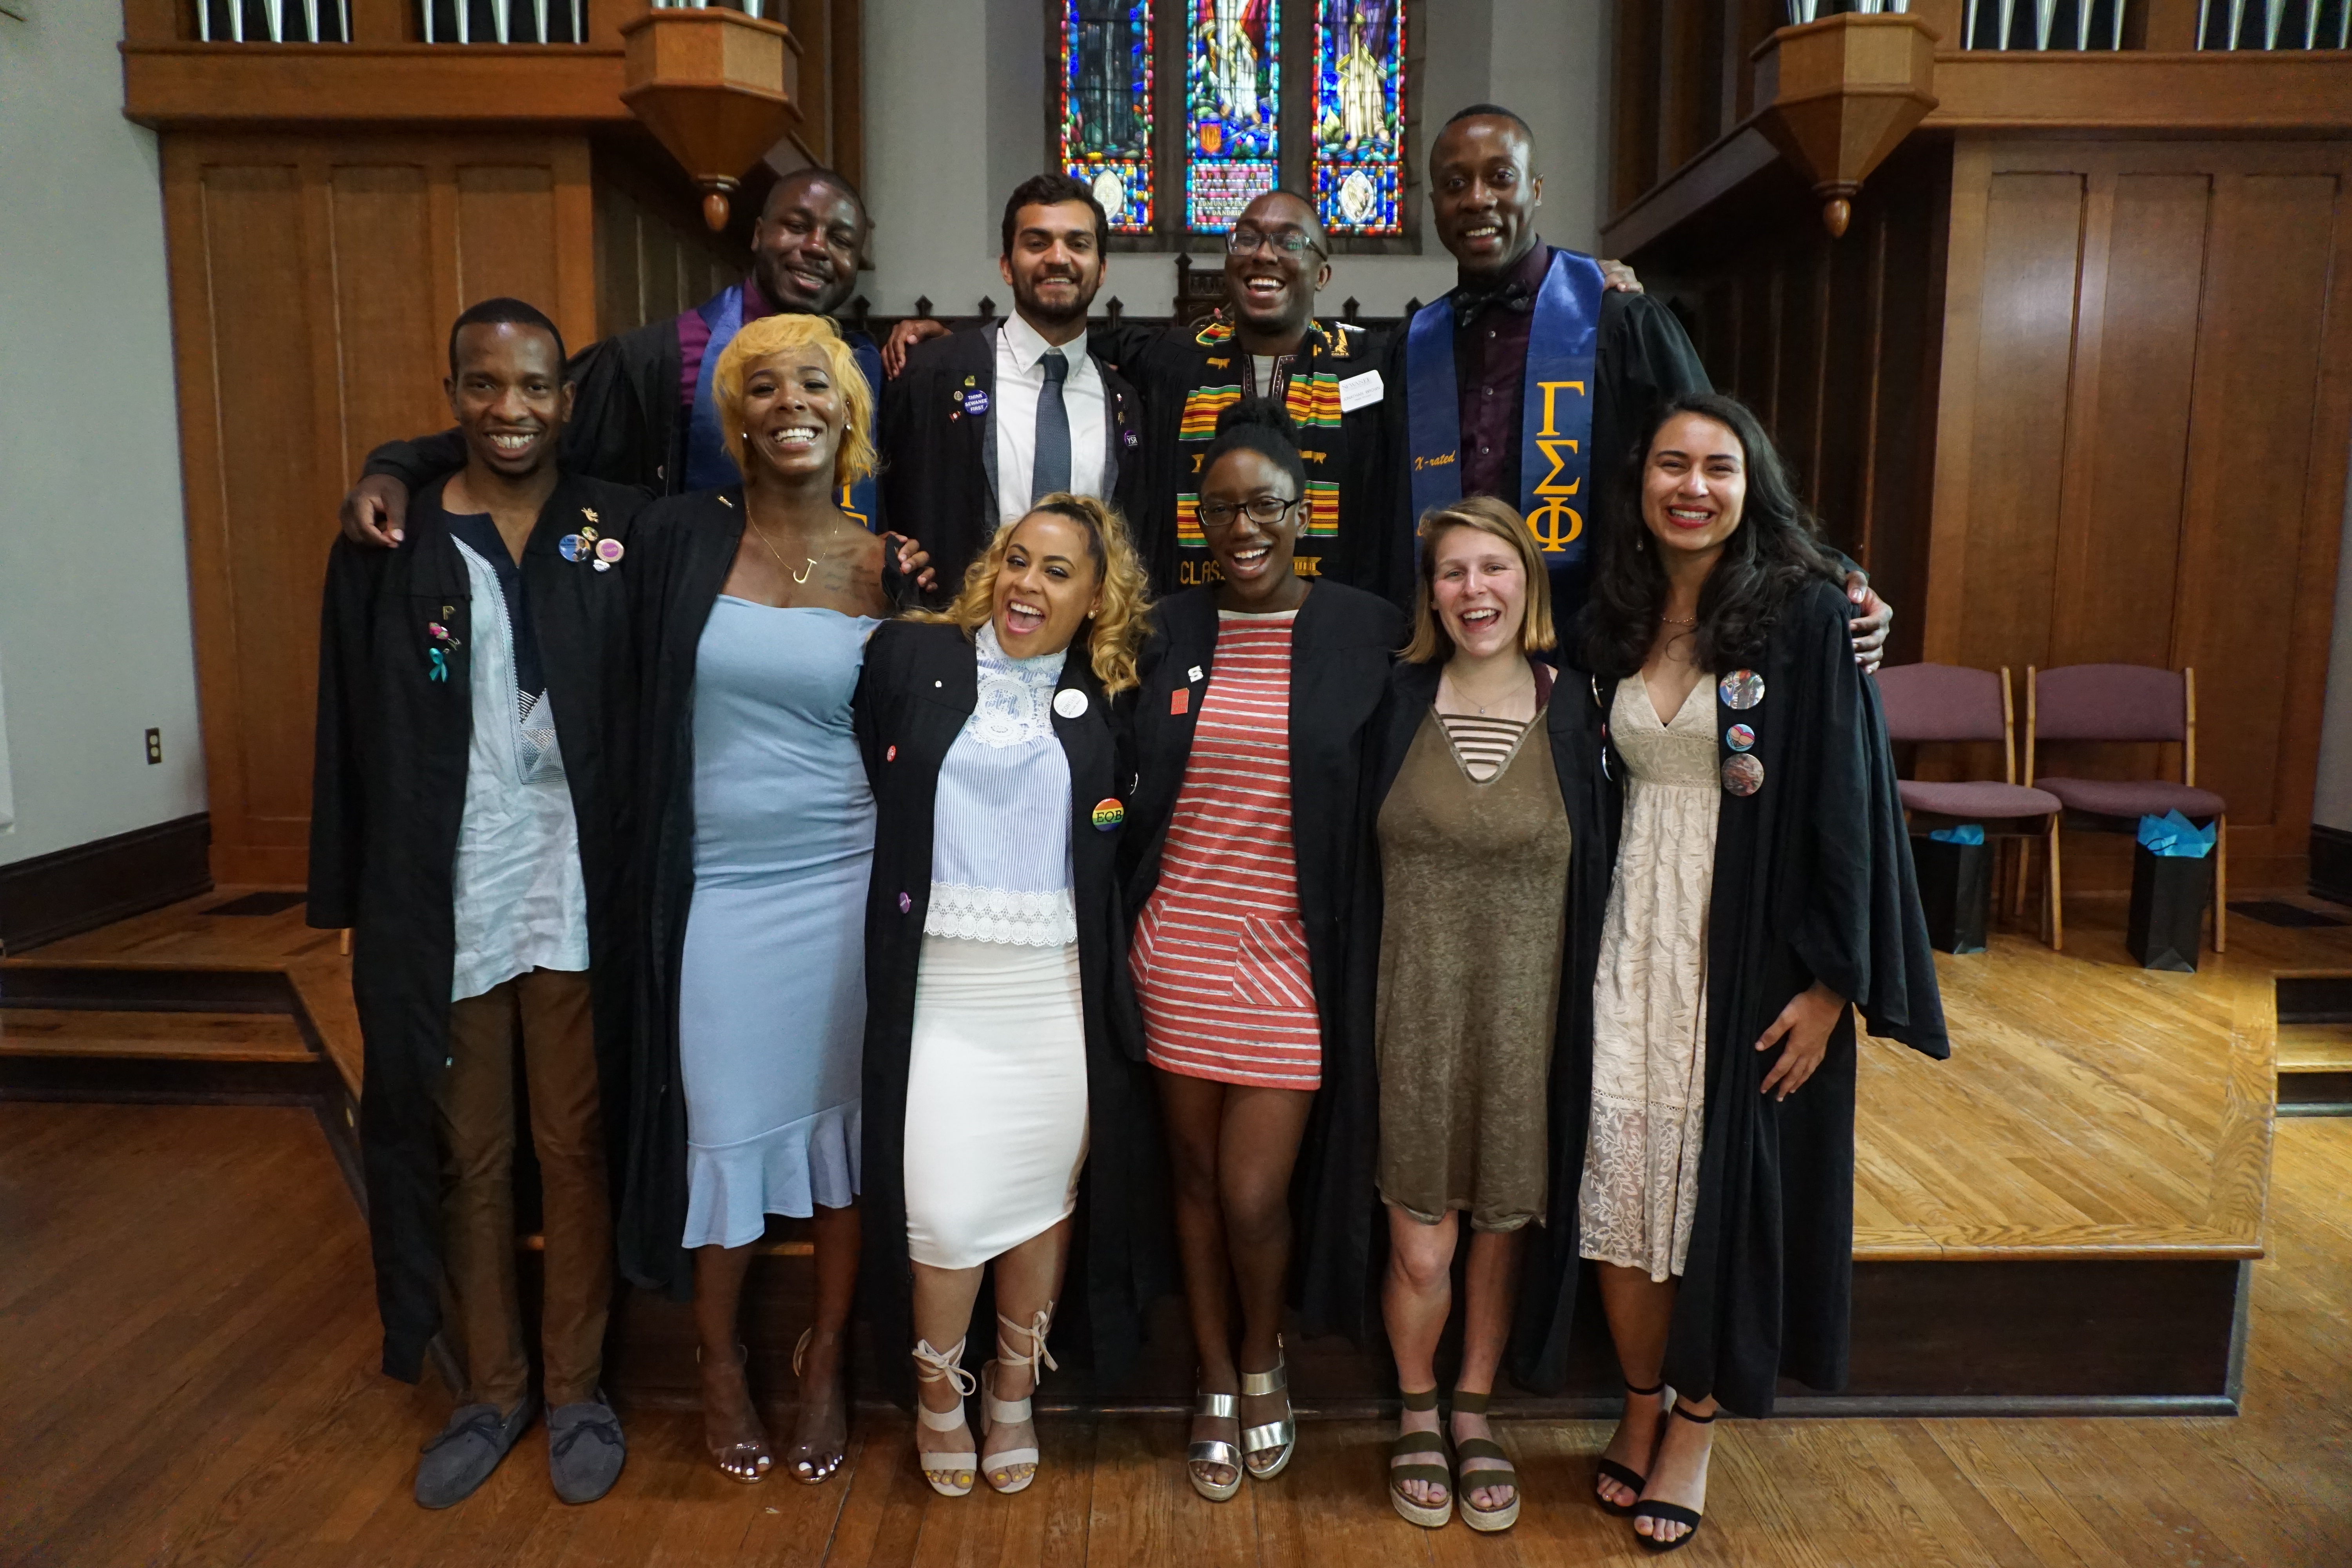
1475	879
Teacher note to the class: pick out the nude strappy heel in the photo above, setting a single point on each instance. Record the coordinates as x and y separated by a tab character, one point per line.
994	1412
1278	1437
948	1471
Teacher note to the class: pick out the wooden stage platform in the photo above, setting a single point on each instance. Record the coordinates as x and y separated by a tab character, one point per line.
2059	1218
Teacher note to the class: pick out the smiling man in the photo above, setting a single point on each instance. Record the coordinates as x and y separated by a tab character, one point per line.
982	422
644	415
473	740
1529	378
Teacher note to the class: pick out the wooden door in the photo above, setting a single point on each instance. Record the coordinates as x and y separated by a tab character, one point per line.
313	279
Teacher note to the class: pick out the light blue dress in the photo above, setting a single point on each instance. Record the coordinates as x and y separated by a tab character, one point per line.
771	1000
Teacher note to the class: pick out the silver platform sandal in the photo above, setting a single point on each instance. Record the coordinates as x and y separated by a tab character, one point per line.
1277	1438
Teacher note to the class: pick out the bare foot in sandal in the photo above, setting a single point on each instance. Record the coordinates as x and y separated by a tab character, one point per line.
731	1431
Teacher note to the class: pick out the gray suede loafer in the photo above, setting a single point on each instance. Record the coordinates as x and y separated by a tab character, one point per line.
465	1451
585	1449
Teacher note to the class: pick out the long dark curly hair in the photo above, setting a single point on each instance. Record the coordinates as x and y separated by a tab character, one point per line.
1769	558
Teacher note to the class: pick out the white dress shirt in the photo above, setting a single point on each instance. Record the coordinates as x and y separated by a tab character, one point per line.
1020	380
521	902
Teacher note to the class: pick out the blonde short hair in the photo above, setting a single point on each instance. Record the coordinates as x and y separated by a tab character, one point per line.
1498	519
854	458
1114	638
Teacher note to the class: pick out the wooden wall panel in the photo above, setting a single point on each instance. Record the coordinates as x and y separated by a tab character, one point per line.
506	233
2119	557
388	322
2251	447
264	542
313	278
2033	242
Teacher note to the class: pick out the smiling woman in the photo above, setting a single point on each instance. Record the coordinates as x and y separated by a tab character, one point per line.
753	603
999	1053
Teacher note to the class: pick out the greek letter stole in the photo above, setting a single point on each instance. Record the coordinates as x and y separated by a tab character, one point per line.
1555	410
708	465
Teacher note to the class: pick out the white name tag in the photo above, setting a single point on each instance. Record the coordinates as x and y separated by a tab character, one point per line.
1358	391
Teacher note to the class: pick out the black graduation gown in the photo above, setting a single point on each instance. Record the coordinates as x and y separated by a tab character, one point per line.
1170	369
683	550
1536	1352
1341	646
388	796
918	686
938	458
1643	358
1812	881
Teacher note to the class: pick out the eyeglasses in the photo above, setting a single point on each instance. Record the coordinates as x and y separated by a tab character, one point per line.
1216	516
1289	241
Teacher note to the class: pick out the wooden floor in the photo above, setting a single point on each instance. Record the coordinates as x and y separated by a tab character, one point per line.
209	1396
2091	1107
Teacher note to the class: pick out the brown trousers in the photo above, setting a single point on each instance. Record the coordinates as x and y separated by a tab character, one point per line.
548	1010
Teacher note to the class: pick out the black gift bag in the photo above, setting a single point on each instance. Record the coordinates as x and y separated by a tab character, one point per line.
1954	893
2168	909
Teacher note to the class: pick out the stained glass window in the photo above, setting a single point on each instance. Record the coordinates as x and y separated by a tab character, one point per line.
1106	105
1233	94
1358	147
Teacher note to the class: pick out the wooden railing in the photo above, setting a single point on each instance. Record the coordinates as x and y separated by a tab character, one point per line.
2076	26
273	21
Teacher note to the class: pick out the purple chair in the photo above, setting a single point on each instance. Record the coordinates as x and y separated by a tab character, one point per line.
2127	702
1948	703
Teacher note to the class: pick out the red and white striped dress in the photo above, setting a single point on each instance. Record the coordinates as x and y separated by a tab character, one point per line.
1220	955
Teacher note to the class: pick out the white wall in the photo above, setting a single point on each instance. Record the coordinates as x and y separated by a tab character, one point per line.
945	141
94	626
2331	805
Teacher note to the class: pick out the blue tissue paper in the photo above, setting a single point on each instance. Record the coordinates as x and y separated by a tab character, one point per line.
2174	835
1966	833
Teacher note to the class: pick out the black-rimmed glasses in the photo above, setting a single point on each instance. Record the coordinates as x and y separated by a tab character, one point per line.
1216	516
1289	241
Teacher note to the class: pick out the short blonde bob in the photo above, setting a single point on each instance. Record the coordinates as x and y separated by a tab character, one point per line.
1114	638
1431	643
854	458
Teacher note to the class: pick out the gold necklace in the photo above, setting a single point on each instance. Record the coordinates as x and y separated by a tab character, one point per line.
798	578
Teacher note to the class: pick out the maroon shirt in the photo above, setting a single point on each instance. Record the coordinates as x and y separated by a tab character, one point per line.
1490	361
694	339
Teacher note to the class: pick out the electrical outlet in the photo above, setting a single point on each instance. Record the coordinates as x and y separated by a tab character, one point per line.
154	747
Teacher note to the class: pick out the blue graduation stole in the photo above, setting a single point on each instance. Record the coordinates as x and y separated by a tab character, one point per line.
1555	410
708	465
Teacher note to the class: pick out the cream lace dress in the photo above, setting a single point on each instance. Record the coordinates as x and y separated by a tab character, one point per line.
1640	1190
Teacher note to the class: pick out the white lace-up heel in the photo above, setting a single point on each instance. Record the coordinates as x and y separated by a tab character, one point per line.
948	1471
994	1412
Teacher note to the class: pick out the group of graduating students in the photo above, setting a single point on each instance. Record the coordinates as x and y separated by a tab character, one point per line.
1335	788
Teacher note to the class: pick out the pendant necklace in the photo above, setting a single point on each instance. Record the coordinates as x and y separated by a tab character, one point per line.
801	577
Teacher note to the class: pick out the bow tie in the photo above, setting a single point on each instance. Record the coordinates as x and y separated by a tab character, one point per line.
1512	295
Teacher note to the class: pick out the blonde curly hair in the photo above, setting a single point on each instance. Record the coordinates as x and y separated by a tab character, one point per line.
1113	637
856	456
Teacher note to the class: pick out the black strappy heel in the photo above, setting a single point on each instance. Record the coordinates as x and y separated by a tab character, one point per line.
1612	1470
1674	1512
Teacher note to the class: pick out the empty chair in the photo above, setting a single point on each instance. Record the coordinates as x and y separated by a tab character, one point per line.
2122	703
1948	703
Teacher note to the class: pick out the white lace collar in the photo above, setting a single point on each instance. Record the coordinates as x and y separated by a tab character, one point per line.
1016	701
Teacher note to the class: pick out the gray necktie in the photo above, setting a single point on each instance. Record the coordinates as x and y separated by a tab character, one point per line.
1050	472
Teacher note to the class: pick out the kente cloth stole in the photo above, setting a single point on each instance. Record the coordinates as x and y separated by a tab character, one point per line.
1555	411
708	465
1311	394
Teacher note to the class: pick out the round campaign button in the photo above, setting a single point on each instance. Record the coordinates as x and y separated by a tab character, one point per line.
572	547
1742	775
891	755
1741	688
1070	704
906	902
1108	812
610	550
1740	738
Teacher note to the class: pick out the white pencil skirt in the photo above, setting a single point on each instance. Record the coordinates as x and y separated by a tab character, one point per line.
996	1099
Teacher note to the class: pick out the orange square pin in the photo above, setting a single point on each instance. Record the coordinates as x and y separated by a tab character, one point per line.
1180	700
